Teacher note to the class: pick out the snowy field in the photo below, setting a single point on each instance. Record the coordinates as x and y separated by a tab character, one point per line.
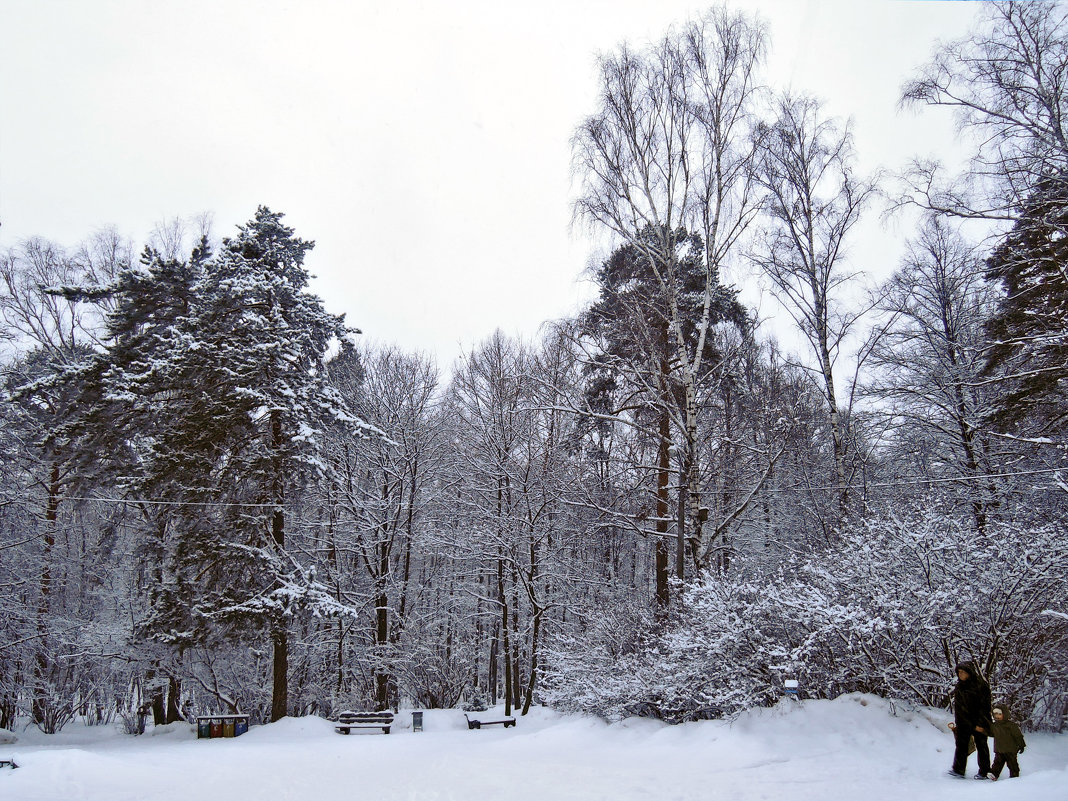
855	747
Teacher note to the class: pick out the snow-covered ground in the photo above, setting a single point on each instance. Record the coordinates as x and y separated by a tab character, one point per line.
855	747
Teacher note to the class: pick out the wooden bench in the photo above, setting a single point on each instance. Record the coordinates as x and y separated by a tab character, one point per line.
478	724
347	721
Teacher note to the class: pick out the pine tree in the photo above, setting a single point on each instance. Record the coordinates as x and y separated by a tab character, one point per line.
1029	330
256	356
638	368
208	403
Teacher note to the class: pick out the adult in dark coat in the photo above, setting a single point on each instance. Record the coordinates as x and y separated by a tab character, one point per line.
971	714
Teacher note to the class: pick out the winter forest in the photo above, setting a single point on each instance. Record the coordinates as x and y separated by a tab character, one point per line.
218	499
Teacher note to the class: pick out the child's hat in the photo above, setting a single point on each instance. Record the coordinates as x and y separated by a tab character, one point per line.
998	709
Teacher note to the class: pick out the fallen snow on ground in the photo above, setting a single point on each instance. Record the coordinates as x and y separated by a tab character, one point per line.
855	747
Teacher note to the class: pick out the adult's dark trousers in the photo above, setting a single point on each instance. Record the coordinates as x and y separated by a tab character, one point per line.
1001	760
960	754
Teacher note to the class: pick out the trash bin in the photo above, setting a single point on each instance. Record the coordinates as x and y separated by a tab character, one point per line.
240	726
216	727
228	727
203	728
417	721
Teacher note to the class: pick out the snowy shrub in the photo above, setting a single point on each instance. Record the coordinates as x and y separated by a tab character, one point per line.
436	678
708	661
889	610
476	701
936	592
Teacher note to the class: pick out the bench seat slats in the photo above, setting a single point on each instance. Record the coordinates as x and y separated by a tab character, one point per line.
474	723
347	721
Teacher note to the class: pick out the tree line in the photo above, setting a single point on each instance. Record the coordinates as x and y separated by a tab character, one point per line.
218	500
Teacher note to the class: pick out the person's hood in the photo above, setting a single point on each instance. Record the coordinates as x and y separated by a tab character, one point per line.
969	668
1004	711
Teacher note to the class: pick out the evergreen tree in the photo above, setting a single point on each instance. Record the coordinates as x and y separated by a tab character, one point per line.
209	402
637	371
1029	330
255	356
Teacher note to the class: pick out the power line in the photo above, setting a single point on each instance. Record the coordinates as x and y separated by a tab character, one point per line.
879	485
102	499
922	481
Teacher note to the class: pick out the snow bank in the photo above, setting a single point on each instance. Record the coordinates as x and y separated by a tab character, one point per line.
853	747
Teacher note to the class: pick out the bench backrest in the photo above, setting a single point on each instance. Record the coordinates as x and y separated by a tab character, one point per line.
365	717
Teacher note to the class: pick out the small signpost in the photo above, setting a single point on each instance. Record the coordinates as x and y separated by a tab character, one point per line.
791	687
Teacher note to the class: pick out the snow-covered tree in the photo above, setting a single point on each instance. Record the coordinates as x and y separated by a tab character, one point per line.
208	406
670	148
928	358
1006	82
814	201
1029	328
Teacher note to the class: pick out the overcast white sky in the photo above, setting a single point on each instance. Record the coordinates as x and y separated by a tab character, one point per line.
424	146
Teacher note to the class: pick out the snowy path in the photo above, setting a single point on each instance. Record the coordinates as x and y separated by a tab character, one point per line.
851	748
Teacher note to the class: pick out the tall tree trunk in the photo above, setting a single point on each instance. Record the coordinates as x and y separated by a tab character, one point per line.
535	645
506	644
680	523
837	434
382	675
494	662
662	479
174	700
517	684
280	696
280	634
42	663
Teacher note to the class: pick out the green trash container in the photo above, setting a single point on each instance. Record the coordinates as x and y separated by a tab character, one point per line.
203	728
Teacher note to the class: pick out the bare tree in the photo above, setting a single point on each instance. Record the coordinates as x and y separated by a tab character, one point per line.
378	499
930	356
670	149
814	199
31	316
1006	82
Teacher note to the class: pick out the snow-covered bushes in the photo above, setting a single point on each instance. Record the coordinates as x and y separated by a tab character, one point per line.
889	610
707	661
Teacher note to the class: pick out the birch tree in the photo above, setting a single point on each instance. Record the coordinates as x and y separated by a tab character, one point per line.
931	353
814	200
670	148
1006	82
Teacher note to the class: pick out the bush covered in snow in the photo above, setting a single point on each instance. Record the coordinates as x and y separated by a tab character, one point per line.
888	610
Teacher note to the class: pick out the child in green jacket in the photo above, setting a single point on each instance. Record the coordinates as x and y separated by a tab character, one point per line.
1008	742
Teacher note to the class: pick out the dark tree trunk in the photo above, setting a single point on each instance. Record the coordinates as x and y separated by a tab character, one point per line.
382	640
506	644
42	664
174	700
159	709
280	635
280	697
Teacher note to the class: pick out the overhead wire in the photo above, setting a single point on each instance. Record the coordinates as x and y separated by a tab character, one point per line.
797	488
